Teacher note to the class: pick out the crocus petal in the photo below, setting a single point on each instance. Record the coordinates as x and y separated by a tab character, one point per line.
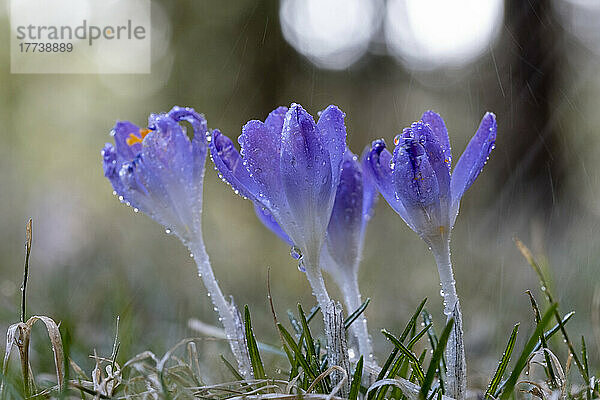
269	221
274	121
435	121
199	142
200	128
345	226
473	159
370	193
306	176
415	182
111	165
122	132
333	129
377	166
439	159
134	192
230	165
260	147
144	191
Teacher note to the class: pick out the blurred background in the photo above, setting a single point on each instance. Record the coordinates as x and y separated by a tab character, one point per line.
534	63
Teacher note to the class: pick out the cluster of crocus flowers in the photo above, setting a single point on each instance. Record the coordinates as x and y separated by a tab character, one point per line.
158	170
309	189
417	183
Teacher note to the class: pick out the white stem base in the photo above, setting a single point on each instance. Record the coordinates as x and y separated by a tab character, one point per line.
229	316
456	379
315	279
353	300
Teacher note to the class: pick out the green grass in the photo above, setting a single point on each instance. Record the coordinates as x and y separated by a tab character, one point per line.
413	369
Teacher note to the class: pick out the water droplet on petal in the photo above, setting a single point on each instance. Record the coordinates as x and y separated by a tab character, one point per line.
301	267
296	253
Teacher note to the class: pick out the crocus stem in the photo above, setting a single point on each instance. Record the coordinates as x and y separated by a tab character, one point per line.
353	300
337	348
228	313
455	351
315	279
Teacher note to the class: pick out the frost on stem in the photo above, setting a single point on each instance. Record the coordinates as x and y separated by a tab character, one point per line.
229	315
455	357
337	348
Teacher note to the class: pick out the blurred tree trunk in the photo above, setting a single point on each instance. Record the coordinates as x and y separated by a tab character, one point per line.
534	159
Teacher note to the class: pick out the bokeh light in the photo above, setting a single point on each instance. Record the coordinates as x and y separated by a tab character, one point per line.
333	34
428	34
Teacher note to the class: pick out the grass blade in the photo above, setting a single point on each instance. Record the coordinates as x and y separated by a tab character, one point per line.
433	341
388	362
536	313
311	352
434	364
418	370
418	336
296	350
356	379
312	313
294	322
527	350
231	369
413	320
545	288
352	317
550	332
257	366
584	359
495	382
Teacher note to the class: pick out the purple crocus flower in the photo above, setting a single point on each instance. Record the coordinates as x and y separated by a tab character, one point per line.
290	167
158	170
353	208
416	181
355	199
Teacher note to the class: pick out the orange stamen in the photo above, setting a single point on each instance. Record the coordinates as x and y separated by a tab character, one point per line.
133	139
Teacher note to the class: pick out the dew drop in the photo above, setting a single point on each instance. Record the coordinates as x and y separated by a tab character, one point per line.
301	267
296	253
